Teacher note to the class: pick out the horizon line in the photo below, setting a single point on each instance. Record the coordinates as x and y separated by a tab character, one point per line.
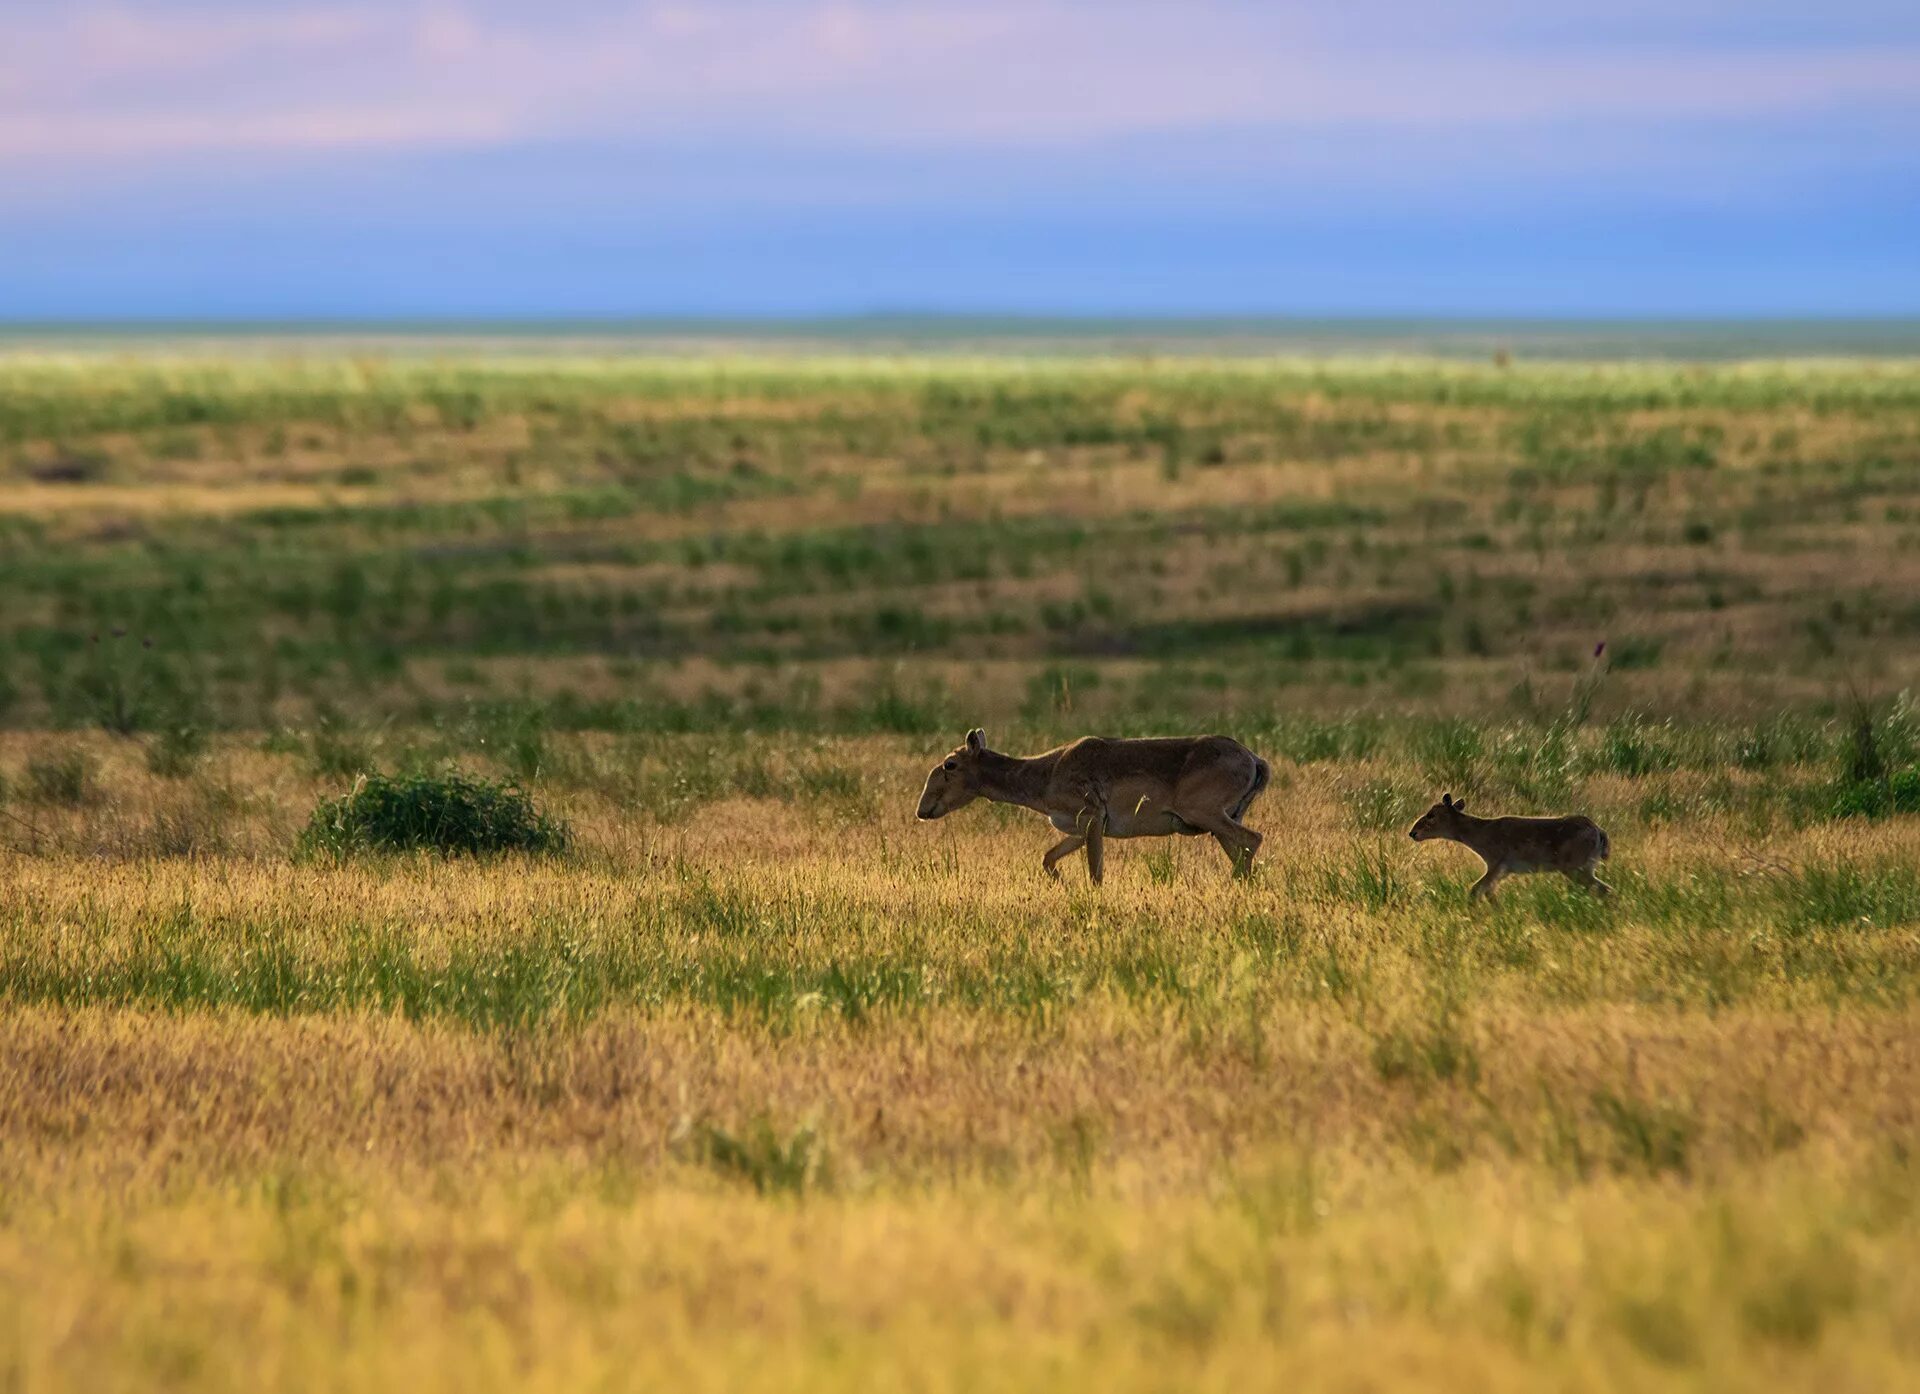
1019	319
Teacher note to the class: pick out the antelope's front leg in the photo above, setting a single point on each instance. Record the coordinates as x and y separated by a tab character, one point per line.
1065	847
1093	827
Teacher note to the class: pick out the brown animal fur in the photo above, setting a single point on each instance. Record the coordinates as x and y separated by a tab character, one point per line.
1094	789
1570	846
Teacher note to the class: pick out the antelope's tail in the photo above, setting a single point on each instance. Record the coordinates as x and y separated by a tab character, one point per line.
1606	848
1262	773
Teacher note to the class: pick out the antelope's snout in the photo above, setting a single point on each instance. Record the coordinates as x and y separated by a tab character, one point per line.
932	805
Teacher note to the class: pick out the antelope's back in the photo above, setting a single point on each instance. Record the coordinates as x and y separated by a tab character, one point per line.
1167	758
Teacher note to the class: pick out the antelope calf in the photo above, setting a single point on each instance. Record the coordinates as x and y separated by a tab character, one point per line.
1095	789
1570	846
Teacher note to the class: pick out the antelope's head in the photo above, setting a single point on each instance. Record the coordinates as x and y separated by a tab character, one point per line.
955	781
1442	820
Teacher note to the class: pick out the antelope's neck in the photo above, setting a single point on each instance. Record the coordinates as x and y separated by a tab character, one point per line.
1014	779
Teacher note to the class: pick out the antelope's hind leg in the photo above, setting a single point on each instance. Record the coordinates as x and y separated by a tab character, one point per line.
1207	801
1064	848
1237	840
1240	850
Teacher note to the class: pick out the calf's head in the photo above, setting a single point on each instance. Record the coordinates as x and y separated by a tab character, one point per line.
955	781
1442	820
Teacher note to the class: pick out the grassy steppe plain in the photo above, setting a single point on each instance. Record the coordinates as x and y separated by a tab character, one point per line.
761	1085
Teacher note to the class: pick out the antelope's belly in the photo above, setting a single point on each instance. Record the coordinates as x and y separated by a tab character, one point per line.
1142	812
1524	862
1161	824
1158	823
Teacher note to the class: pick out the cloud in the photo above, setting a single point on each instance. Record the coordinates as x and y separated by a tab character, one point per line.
90	84
81	137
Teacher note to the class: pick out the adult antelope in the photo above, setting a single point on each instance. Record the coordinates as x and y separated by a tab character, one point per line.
1094	789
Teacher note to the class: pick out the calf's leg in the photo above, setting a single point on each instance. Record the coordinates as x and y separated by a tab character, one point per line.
1584	876
1483	888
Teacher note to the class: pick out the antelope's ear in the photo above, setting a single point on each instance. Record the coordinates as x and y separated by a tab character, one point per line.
1459	805
976	740
1446	801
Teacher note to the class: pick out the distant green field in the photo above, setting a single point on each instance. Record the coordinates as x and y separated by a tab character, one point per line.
1080	336
835	544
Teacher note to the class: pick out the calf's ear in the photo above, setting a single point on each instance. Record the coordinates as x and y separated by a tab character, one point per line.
1446	801
976	740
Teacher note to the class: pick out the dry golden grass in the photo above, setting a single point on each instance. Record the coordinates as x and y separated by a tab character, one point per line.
1186	1133
1326	1272
226	1202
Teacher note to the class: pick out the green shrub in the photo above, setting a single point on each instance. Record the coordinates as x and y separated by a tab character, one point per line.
1878	773
451	812
1878	798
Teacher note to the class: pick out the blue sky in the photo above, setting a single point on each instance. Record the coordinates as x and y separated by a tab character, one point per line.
580	157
